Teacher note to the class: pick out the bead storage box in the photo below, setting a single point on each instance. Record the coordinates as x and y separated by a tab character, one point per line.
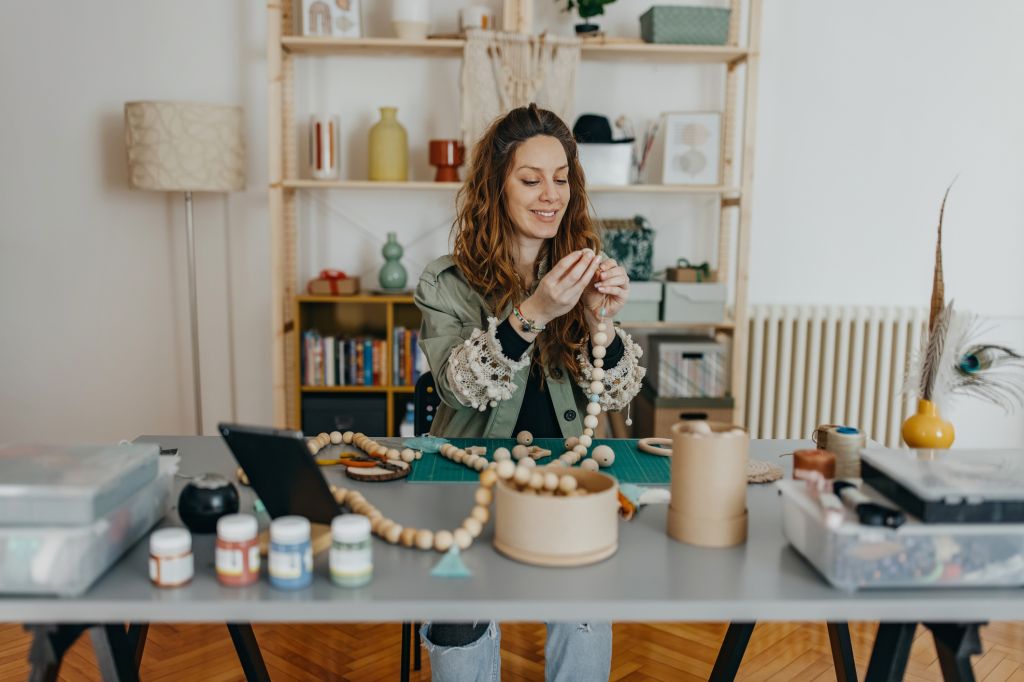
548	530
854	556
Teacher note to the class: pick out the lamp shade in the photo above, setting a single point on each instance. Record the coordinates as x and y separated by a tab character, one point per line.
183	146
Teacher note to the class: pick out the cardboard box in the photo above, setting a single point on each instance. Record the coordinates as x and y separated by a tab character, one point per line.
702	303
654	416
644	304
685	366
333	283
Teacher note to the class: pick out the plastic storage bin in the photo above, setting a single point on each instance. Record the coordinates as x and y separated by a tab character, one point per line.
53	485
702	303
644	304
682	25
916	554
686	366
66	560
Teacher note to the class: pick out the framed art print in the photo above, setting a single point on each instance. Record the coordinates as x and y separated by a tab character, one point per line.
333	18
686	149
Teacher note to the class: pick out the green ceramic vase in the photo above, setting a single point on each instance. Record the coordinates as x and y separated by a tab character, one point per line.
389	148
392	274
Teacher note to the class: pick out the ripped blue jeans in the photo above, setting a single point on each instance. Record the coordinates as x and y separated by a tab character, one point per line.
573	652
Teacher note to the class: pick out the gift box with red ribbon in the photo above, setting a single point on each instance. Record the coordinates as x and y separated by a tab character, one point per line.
333	283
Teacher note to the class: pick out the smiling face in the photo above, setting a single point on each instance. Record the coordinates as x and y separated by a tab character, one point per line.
537	188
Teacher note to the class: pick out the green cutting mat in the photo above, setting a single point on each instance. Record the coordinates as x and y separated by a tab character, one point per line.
631	465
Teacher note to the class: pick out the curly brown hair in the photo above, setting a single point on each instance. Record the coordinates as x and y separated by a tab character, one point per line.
483	233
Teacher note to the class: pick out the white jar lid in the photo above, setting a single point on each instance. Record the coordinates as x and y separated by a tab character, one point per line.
350	528
170	542
289	529
237	527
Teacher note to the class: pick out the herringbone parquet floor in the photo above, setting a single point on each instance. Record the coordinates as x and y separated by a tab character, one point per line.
660	651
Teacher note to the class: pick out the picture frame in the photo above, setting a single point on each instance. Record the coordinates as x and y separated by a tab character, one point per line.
684	149
332	18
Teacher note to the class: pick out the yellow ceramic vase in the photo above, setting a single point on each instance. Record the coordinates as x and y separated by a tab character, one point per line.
927	430
389	148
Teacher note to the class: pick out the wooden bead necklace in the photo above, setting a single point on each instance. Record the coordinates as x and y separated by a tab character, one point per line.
364	443
524	477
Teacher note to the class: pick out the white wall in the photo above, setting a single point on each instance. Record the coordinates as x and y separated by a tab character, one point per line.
866	112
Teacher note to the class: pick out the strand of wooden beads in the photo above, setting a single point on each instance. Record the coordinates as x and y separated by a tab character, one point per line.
421	538
539	480
363	442
577	449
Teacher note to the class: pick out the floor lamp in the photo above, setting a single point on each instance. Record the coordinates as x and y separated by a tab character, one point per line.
186	147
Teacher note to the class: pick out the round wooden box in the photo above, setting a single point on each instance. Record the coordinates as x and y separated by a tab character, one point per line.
551	530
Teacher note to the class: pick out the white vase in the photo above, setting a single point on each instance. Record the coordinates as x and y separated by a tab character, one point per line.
410	18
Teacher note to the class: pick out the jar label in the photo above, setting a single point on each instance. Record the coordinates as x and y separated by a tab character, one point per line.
351	561
254	558
290	565
171	571
230	562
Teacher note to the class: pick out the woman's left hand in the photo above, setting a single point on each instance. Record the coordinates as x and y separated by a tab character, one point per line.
609	290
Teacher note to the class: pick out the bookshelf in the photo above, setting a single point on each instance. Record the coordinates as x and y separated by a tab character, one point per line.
345	317
736	63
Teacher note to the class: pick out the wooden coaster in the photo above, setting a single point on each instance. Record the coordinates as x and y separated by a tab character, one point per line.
401	470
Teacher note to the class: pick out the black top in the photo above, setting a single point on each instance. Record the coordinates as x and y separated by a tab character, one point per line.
537	414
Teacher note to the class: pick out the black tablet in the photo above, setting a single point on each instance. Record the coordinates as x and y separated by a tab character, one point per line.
281	471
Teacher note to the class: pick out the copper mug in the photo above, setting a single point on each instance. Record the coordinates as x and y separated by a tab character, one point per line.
447	155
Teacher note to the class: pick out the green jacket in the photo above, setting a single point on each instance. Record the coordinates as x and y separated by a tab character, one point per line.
453	314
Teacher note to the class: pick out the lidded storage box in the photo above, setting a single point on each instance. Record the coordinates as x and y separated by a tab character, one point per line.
45	485
686	366
685	25
644	304
702	303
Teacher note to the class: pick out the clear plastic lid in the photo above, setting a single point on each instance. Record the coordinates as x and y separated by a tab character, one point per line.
350	528
289	529
170	542
237	527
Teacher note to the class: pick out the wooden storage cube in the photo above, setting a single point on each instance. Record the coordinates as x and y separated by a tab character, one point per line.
654	416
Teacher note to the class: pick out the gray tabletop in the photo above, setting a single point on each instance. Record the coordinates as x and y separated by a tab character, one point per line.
650	578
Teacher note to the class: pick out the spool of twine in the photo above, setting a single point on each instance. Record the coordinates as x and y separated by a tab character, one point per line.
816	467
846	442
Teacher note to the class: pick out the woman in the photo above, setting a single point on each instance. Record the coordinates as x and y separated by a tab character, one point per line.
507	320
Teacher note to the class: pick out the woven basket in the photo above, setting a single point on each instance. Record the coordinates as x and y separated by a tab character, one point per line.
681	25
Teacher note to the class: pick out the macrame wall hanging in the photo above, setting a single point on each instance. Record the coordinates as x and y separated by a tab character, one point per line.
502	71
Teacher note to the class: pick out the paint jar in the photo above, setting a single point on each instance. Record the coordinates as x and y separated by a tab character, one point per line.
291	553
237	550
351	551
170	557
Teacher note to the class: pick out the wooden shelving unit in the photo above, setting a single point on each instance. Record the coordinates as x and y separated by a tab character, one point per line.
360	314
427	186
733	190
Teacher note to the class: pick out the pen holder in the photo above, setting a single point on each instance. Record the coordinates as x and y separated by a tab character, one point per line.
709	484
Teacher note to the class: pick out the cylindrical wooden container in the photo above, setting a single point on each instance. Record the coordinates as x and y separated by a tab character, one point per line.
553	530
709	485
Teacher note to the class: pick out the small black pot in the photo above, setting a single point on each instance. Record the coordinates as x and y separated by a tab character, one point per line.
586	29
205	499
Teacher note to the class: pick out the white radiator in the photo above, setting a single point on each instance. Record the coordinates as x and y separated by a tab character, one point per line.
811	365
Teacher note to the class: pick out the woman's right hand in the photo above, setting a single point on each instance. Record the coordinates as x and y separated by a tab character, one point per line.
560	289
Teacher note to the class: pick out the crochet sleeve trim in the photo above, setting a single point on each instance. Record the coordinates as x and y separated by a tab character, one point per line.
479	372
